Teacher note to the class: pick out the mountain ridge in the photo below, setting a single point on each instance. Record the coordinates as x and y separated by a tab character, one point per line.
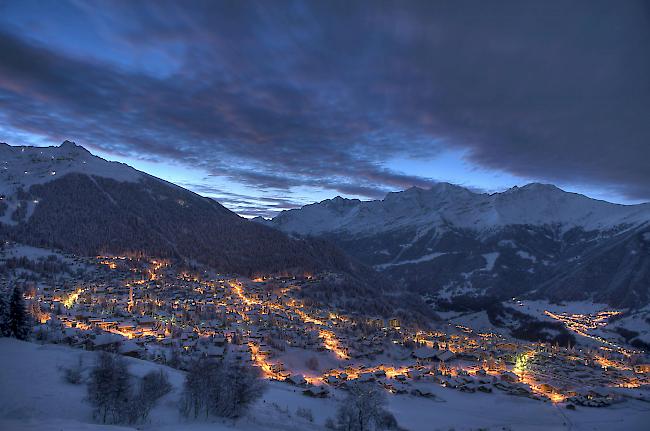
490	210
449	242
40	185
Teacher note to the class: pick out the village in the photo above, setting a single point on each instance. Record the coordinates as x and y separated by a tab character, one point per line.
148	309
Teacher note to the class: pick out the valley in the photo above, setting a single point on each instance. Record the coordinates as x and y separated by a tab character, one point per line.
424	313
153	310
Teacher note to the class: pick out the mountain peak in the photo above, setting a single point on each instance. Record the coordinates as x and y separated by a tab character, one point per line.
535	187
24	166
72	147
541	186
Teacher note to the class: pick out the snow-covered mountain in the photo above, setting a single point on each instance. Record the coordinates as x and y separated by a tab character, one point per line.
449	241
447	204
64	197
24	166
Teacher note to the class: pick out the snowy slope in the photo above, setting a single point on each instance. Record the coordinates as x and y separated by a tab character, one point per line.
24	166
448	204
33	396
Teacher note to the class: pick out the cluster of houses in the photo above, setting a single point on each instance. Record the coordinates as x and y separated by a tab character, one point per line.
152	311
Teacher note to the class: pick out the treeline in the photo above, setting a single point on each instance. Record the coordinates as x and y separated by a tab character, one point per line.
212	388
352	295
48	267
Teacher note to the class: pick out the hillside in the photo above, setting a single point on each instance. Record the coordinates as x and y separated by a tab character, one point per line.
41	400
64	197
449	242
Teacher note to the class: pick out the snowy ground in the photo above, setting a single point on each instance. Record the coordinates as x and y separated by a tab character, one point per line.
33	396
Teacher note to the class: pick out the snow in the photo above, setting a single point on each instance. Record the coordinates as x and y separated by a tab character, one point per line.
33	253
507	243
22	167
33	396
444	204
536	308
17	250
425	258
490	260
525	255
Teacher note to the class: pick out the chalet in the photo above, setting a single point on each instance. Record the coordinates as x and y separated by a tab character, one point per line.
216	352
444	355
296	379
423	392
107	342
366	377
424	354
509	376
316	391
130	348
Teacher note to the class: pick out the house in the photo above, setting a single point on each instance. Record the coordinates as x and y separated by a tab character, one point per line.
316	392
296	379
366	377
219	340
216	352
509	376
107	342
130	348
423	392
332	380
425	354
444	355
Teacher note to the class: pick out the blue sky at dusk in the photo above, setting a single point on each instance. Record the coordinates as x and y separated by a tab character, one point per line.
271	105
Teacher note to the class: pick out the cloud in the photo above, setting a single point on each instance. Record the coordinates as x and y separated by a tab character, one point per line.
246	205
292	94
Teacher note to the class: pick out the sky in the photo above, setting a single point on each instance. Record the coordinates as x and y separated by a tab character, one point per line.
270	105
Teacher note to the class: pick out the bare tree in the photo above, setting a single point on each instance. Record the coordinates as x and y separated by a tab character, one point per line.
109	388
312	363
111	392
305	413
240	385
364	409
74	374
153	386
223	389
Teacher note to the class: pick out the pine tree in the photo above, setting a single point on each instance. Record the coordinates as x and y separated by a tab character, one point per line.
4	315
19	322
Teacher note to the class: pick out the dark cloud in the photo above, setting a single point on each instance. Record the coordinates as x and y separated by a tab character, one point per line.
322	94
246	205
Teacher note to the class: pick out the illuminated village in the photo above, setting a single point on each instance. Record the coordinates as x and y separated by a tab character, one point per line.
150	310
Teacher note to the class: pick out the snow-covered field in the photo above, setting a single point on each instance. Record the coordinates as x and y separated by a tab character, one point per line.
33	396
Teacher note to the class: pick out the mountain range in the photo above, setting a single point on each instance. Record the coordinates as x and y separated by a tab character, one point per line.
446	244
449	243
65	198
